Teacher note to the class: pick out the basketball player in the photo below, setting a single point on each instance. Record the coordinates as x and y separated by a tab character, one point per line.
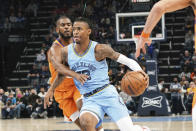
160	8
99	97
66	94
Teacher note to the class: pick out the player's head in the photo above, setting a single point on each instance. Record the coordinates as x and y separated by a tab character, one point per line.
81	29
64	27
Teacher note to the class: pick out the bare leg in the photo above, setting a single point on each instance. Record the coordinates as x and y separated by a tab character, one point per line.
79	106
88	121
77	122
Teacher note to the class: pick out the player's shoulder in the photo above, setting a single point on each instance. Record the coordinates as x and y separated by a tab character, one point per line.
101	47
55	45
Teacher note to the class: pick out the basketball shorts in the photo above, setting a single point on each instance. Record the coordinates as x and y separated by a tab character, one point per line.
67	102
106	101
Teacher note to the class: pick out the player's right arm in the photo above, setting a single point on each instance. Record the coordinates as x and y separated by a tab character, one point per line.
160	8
62	68
58	57
103	51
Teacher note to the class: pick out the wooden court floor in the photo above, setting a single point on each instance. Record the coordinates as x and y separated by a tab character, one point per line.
167	123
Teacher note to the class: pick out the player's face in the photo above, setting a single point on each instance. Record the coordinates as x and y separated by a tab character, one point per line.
64	28
81	31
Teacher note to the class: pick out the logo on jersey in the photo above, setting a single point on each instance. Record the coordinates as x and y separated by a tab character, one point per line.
87	68
152	102
83	65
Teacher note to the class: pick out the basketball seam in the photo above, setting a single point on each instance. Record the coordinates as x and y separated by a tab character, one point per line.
138	80
134	91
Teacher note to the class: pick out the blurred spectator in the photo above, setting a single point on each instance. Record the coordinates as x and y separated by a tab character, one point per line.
52	108
20	21
189	22
111	34
26	93
190	93
31	102
7	25
184	82
160	84
33	75
177	106
20	104
9	90
32	8
40	58
12	19
45	47
185	72
189	40
42	92
8	108
39	111
186	59
3	97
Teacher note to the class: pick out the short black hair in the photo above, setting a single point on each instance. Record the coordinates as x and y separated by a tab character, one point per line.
62	17
86	20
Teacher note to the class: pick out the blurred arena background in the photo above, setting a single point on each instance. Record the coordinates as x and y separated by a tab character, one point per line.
27	30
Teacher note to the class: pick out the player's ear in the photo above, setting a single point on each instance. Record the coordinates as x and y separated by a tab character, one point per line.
89	31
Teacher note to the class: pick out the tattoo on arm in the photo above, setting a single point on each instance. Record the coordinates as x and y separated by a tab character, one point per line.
106	51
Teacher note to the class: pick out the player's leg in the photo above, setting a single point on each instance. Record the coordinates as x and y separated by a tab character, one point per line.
88	120
91	114
122	118
78	100
68	105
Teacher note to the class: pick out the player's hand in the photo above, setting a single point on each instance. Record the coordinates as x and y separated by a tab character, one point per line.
49	94
140	44
81	78
146	77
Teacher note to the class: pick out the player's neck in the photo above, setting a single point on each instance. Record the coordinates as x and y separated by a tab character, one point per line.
67	41
83	46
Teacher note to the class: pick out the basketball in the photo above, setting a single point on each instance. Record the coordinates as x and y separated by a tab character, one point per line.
134	83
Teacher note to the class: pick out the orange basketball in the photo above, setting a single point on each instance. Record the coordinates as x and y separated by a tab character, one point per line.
134	83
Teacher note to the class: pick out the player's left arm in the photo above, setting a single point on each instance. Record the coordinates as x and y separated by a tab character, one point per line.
103	51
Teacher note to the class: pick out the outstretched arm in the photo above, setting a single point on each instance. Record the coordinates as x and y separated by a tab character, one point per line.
160	8
102	51
59	78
